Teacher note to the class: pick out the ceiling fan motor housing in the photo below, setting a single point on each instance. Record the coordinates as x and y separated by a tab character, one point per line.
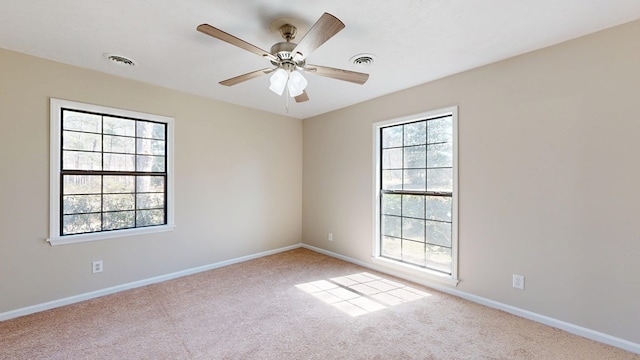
284	52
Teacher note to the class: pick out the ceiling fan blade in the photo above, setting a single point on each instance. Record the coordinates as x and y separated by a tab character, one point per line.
219	34
324	29
302	97
245	77
340	74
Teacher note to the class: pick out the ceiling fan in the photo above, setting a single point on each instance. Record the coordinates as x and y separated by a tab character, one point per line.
290	58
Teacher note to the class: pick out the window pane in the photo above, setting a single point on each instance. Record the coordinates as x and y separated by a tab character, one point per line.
413	252
119	162
440	155
440	130
415	134
119	184
150	183
150	201
78	160
118	126
81	204
150	130
150	163
111	159
439	258
440	180
72	120
391	204
81	184
439	233
391	226
415	157
391	247
149	217
413	206
392	179
392	137
413	229
414	179
119	220
119	144
392	158
424	223
439	208
77	224
72	140
151	147
117	202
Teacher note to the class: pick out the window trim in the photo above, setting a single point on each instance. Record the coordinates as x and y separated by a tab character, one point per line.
56	106
377	163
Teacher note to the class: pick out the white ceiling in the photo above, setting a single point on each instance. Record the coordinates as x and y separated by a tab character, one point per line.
414	41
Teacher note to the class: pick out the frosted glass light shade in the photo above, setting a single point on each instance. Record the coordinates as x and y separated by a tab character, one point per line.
279	81
297	84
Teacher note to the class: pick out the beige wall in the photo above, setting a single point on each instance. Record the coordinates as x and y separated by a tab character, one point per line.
238	184
549	182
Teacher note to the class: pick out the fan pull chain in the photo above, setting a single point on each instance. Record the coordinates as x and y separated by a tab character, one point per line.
286	95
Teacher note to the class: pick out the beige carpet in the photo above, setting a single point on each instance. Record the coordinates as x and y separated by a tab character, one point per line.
293	305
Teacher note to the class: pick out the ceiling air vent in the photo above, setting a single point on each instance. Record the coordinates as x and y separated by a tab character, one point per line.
363	59
120	60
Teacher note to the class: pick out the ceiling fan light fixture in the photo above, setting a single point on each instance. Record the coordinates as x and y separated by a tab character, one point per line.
297	84
279	81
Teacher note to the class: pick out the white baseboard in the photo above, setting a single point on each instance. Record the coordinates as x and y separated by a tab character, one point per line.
568	327
136	284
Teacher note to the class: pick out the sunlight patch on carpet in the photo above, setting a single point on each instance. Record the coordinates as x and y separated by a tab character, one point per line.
361	293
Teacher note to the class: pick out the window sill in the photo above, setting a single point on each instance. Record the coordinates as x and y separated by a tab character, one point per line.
415	273
80	238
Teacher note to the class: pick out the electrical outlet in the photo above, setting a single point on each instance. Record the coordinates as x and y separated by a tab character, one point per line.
518	281
330	238
96	267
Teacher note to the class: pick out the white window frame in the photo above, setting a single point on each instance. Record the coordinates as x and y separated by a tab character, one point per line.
416	271
56	106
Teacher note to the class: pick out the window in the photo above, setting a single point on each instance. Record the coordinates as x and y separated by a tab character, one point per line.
110	172
416	193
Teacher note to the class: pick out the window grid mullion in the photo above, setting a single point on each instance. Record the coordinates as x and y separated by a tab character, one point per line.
102	176
135	179
402	201
103	173
426	184
402	192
